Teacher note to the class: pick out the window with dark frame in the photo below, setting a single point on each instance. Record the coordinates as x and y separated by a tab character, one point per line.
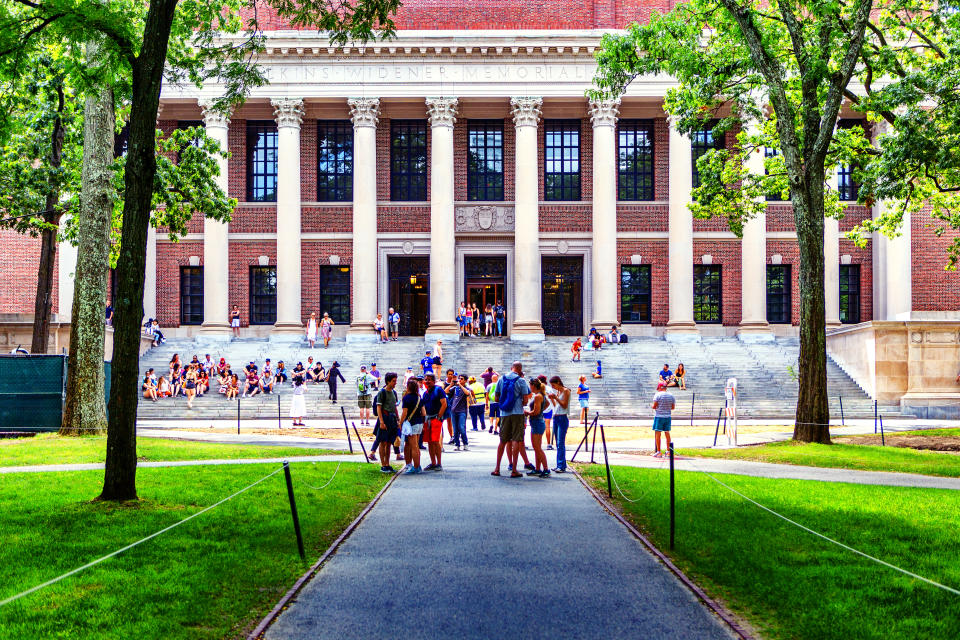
334	286
849	293
635	298
189	124
263	295
191	295
561	164
334	161
485	160
261	161
779	294
408	160
847	187
771	152
707	294
702	141
635	160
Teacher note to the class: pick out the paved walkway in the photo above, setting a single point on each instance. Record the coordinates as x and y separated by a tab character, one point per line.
465	555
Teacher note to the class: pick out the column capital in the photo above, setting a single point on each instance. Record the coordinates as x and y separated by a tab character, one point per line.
288	111
603	113
442	112
365	112
526	110
213	117
159	111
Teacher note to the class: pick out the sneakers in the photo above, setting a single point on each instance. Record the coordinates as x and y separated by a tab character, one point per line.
456	448
386	469
559	470
430	467
412	470
465	448
549	447
545	473
533	473
451	441
529	467
438	467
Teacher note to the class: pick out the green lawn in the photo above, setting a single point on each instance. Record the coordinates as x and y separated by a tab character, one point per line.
214	577
49	448
949	432
792	585
843	456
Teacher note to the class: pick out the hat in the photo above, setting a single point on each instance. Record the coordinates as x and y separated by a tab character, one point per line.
409	368
373	364
222	360
363	367
335	364
429	352
661	386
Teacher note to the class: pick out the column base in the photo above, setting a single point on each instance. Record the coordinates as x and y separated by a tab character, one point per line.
682	331
360	332
603	326
833	324
214	332
755	332
444	330
287	332
529	331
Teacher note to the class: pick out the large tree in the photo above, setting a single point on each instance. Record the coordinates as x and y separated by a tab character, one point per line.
778	72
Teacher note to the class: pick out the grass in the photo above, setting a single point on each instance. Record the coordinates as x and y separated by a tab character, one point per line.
950	432
841	456
49	448
213	577
792	585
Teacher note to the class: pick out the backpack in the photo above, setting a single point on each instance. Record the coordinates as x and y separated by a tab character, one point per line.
507	393
362	385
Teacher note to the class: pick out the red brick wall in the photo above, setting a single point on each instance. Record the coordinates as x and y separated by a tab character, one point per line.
780	217
661	159
260	218
308	160
21	260
237	164
654	253
170	257
243	255
312	255
934	289
400	217
327	219
791	255
726	254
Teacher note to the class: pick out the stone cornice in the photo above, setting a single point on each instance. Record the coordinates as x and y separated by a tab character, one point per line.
288	111
365	112
442	112
526	110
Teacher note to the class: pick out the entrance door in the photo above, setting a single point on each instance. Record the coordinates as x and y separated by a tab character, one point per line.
562	295
486	282
484	293
410	292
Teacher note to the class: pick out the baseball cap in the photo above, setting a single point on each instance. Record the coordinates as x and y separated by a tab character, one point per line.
661	387
363	367
373	364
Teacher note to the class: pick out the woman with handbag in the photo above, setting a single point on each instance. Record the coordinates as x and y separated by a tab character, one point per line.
411	426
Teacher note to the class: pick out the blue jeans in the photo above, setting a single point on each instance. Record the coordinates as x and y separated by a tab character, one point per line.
459	428
499	326
476	413
560	424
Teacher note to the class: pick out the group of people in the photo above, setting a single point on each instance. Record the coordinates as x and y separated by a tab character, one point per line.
474	321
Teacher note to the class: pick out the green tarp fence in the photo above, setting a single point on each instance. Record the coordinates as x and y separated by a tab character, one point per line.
32	391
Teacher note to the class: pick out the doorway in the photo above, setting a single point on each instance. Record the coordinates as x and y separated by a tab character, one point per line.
409	292
562	295
485	280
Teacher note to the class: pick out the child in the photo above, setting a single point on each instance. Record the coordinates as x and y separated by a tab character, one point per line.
576	349
583	394
599	372
298	404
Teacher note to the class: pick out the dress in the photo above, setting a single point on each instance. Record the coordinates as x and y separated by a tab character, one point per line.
325	328
312	330
298	404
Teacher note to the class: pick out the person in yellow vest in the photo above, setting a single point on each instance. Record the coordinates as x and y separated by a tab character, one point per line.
478	403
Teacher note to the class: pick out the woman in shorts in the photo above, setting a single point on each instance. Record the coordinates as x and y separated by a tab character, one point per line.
537	428
163	388
149	388
235	320
190	385
233	386
583	395
547	411
411	426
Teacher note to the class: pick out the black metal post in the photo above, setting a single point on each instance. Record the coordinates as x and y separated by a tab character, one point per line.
717	432
606	461
362	448
693	401
582	441
842	421
238	414
593	449
346	428
883	441
672	513
875	416
279	426
293	509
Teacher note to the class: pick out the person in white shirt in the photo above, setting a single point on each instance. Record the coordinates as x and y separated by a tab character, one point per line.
663	404
393	320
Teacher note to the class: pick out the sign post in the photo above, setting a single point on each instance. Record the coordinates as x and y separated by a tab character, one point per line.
730	391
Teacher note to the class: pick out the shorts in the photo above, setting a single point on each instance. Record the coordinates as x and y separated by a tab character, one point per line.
548	414
411	429
494	409
432	430
390	432
538	426
584	403
365	402
394	327
511	428
235	322
661	424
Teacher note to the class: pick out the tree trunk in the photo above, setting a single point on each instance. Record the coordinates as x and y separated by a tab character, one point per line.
813	410
85	410
121	465
48	239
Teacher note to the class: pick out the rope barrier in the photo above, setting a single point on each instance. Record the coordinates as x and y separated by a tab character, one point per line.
328	481
620	491
134	544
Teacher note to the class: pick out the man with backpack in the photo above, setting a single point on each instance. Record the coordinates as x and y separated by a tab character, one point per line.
388	417
512	393
365	385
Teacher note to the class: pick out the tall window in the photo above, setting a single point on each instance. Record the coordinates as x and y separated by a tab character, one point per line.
261	161
562	160
408	160
779	299
635	293
702	141
707	293
847	186
334	161
191	295
635	160
334	286
774	196
263	295
189	124
849	293
485	160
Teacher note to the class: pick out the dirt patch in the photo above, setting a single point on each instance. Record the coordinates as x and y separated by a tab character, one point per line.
926	443
308	432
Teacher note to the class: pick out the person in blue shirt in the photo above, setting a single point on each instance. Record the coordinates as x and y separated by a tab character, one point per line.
427	363
500	316
666	375
583	395
435	405
512	420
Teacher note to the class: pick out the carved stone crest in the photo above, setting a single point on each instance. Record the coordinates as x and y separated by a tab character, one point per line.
493	218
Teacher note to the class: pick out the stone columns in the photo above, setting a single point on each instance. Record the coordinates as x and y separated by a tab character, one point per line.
753	263
150	276
526	257
443	303
831	271
603	115
892	263
289	115
680	325
216	244
66	270
363	269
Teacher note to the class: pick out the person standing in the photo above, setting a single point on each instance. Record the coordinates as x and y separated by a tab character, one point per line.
547	411
376	374
458	411
434	404
332	376
513	393
449	386
488	320
393	319
663	404
462	318
298	404
312	329
190	385
426	363
560	396
235	321
478	403
408	376
411	426
475	317
326	329
493	407
365	385
438	358
576	349
583	395
500	317
537	428
389	425
108	314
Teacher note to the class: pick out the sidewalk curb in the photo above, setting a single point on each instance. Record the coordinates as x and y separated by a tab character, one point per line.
721	611
257	633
